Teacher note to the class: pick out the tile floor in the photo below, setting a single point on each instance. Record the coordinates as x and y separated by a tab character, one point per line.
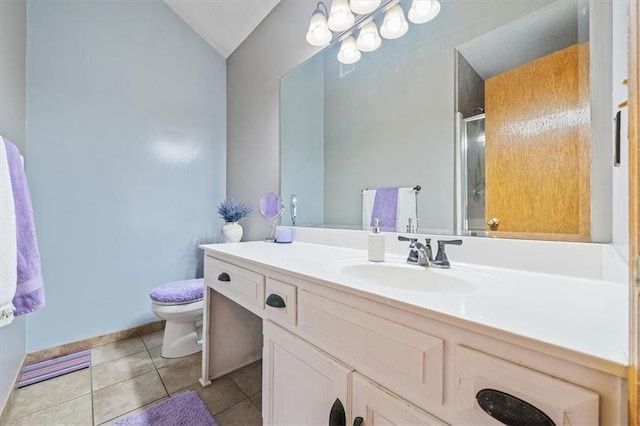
128	376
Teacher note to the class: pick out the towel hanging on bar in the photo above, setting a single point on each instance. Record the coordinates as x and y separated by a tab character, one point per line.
391	206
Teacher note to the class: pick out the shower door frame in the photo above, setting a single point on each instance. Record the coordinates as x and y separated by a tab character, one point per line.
462	217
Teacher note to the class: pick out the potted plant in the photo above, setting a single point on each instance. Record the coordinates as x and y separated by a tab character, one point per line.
231	212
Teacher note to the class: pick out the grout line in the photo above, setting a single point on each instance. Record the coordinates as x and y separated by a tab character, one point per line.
129	412
48	408
159	375
93	416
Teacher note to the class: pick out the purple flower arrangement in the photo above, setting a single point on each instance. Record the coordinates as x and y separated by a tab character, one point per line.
231	211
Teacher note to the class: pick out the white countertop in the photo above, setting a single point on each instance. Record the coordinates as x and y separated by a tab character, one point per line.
584	315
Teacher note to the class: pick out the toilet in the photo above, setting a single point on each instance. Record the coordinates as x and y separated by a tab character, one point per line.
180	304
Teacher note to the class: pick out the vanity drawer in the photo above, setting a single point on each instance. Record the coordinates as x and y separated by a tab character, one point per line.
240	285
409	362
564	403
281	302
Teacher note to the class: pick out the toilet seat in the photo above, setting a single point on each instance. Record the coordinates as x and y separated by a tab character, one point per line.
178	292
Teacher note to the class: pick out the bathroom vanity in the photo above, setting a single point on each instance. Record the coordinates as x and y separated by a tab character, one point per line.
342	338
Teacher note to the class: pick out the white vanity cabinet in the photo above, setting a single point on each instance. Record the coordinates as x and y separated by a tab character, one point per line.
377	406
304	386
324	345
301	385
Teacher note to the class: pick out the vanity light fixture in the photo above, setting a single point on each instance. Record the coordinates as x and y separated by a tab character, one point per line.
394	24
349	53
363	7
319	33
340	19
340	16
368	39
422	11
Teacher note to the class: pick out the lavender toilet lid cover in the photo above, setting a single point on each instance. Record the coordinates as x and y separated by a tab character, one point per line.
179	291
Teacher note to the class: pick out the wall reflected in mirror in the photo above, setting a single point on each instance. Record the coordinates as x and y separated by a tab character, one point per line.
397	119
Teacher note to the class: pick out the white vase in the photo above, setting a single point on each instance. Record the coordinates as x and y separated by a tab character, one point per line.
231	232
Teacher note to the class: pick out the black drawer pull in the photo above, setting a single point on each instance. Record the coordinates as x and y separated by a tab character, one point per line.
224	277
275	301
337	416
511	410
358	421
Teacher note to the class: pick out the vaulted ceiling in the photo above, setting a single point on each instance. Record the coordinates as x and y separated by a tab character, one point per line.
224	24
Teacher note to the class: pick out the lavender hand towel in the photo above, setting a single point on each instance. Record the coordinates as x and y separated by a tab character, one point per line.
29	295
385	208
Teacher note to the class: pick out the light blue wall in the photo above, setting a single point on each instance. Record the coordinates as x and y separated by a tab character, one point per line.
13	35
127	148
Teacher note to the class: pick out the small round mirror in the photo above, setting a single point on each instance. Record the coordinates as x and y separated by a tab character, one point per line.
271	208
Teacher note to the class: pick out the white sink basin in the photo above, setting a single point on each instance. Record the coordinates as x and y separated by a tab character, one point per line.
409	277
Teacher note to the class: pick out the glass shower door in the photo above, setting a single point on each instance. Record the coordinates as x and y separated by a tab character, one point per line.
473	173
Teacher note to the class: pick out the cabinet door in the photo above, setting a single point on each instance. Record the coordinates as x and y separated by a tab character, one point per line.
375	406
301	385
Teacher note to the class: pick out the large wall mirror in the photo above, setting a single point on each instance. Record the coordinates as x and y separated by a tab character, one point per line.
497	111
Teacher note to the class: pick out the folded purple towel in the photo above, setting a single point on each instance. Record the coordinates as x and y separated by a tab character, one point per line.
30	288
179	291
385	209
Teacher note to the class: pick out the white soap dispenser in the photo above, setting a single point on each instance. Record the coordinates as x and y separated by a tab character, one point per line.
376	243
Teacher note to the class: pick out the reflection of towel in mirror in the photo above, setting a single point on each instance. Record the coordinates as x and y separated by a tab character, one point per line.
391	206
29	291
8	246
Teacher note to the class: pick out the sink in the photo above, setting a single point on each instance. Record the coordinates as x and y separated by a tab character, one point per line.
409	277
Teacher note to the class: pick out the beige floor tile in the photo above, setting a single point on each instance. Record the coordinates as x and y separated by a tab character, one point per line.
76	412
153	340
241	414
257	400
121	369
137	410
115	350
162	362
50	393
115	400
182	374
249	378
220	395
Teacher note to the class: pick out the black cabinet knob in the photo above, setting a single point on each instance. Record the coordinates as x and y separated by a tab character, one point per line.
337	416
224	277
275	301
511	410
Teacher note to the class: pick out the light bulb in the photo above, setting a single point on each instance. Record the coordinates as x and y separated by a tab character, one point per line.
318	34
423	11
368	38
349	53
394	24
340	16
363	7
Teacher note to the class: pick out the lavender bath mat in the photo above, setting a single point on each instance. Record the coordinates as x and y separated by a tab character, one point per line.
183	409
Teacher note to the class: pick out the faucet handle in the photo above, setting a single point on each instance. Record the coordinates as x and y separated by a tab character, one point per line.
441	260
427	243
412	241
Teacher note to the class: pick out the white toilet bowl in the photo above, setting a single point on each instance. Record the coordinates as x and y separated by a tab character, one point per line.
180	304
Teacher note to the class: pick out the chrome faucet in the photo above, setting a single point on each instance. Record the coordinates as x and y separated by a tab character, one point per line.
421	254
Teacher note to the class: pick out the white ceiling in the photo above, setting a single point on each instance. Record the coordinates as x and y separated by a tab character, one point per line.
224	24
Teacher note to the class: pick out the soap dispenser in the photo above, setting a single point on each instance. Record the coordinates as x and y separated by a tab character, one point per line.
376	243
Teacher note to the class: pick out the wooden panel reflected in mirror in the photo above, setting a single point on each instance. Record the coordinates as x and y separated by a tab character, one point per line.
538	146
